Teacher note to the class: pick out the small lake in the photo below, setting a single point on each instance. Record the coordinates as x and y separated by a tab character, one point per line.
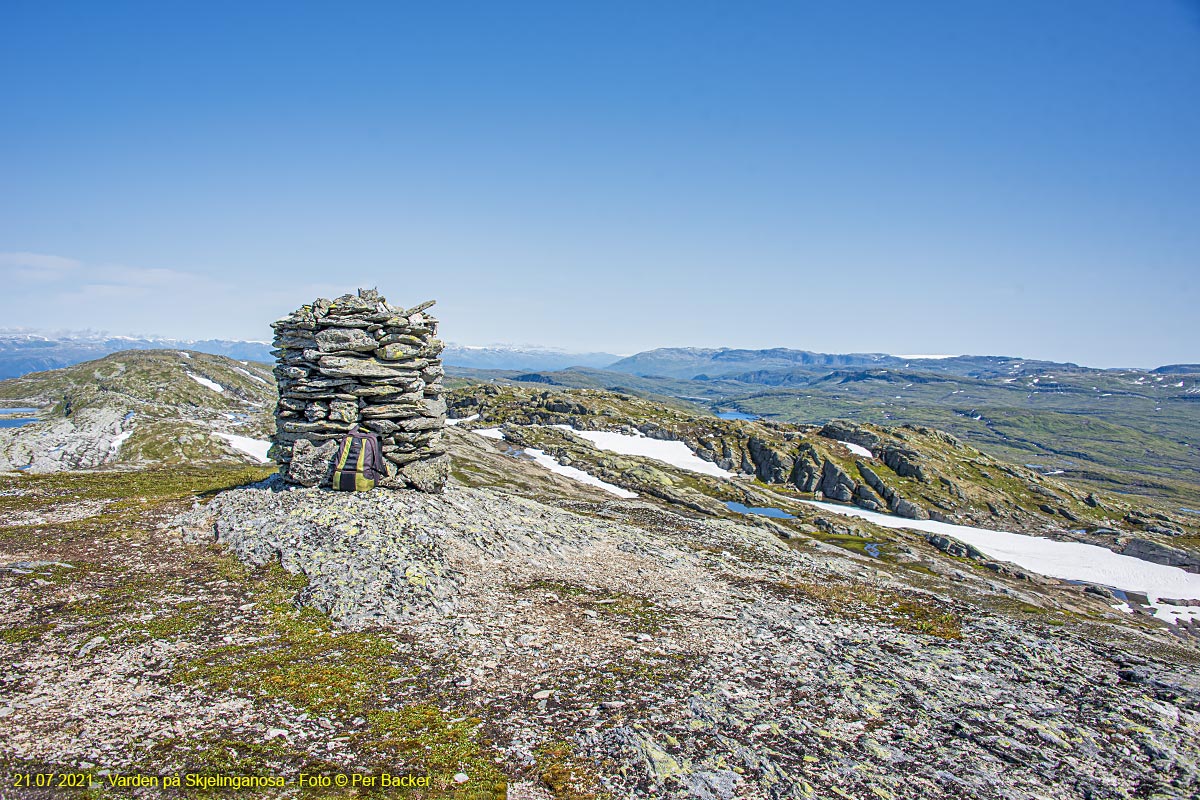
16	423
5	411
776	513
1189	510
737	415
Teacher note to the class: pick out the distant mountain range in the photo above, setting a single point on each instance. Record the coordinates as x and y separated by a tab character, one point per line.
781	365
23	352
500	356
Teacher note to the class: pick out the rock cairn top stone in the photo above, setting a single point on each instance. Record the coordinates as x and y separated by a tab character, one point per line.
359	363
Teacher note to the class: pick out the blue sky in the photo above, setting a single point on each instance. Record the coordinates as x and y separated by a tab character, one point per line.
1009	177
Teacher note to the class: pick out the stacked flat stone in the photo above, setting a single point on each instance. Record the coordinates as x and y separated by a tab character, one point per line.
359	363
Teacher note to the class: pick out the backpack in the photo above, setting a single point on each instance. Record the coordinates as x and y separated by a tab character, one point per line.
359	462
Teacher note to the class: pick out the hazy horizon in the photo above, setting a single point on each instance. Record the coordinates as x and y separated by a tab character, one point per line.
86	333
1016	178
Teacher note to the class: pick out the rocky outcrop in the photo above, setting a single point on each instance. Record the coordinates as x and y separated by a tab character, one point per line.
835	483
806	471
770	465
843	431
904	461
1162	554
865	497
359	363
895	503
740	668
875	482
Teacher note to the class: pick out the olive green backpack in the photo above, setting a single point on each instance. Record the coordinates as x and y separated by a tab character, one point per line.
359	463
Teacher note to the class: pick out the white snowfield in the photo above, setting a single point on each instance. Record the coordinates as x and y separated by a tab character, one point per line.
114	446
203	381
1067	560
471	418
256	448
857	449
677	454
543	459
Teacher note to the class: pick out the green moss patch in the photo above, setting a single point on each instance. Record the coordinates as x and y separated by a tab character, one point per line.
567	776
638	613
906	611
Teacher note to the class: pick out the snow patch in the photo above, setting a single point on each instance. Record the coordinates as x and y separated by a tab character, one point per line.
203	381
1172	614
256	448
249	374
471	418
677	454
1067	560
857	449
115	445
542	459
490	433
184	354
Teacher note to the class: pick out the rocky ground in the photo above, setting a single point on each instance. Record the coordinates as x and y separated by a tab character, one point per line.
572	646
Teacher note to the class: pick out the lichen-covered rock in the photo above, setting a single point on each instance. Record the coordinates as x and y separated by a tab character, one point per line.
311	464
429	475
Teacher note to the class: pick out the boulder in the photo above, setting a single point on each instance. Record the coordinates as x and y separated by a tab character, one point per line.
429	475
908	509
954	547
311	465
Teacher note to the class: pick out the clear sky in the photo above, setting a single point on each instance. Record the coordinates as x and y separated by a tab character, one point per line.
1012	177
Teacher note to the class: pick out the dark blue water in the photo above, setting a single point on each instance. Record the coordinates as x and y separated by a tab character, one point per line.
737	415
16	423
872	548
777	513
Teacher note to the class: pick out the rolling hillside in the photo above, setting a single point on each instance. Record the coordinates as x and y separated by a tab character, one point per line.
140	407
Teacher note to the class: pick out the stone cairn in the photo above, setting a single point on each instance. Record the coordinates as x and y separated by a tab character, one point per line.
359	363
